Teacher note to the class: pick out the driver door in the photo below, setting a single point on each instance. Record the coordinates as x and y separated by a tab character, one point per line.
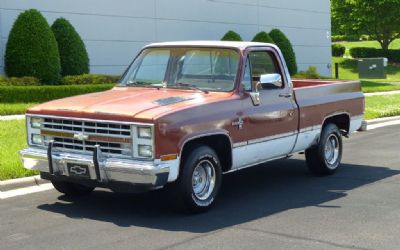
271	123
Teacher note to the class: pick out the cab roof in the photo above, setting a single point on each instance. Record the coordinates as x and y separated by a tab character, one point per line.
221	44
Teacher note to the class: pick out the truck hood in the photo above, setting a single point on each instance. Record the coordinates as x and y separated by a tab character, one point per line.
127	103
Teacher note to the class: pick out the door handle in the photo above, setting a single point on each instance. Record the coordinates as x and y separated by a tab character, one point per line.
286	95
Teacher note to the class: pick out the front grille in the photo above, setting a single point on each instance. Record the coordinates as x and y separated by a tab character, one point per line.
113	138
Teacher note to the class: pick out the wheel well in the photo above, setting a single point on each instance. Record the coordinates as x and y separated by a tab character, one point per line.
221	145
342	121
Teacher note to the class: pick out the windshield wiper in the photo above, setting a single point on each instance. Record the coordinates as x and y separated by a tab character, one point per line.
188	86
144	84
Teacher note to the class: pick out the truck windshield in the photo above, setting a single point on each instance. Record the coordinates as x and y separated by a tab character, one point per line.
207	69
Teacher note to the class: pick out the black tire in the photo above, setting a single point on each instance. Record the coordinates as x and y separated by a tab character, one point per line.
71	189
200	157
318	161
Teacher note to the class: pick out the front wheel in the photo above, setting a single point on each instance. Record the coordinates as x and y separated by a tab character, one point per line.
324	159
71	189
200	180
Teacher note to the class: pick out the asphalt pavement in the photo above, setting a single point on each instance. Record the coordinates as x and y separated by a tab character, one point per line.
278	205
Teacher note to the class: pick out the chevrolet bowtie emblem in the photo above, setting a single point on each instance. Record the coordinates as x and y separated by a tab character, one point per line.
81	137
239	123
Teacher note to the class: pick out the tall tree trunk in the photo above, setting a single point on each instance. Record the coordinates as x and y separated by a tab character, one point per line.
384	43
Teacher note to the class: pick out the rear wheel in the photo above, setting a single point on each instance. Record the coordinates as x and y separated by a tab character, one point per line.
200	180
71	189
324	159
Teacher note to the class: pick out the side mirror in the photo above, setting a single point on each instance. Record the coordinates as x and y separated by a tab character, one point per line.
270	81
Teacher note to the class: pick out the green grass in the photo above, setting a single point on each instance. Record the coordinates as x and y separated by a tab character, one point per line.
382	106
14	108
372	87
348	71
12	138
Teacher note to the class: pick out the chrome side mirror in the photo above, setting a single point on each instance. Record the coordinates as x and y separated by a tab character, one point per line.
270	81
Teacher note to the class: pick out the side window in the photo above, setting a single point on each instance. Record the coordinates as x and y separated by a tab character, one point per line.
246	82
263	62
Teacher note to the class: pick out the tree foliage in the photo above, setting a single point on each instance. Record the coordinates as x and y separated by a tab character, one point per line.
231	36
73	55
380	19
286	47
31	49
262	37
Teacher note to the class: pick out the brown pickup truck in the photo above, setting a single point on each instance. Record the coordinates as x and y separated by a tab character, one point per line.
184	114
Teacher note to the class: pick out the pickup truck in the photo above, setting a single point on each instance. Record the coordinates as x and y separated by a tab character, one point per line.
184	114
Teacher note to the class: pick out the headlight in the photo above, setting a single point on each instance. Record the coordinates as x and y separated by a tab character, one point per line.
37	139
145	151
36	122
144	132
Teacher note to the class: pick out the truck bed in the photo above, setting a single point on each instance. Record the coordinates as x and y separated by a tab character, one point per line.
318	99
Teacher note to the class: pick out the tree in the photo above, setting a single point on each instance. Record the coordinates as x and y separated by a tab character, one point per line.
31	49
262	37
379	19
73	55
231	36
286	47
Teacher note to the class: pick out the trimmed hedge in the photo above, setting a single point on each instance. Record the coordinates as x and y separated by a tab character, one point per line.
286	47
393	55
67	80
262	37
338	50
37	94
31	49
345	38
231	36
73	55
19	81
90	79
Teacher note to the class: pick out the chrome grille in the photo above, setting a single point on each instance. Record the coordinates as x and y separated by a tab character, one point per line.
94	128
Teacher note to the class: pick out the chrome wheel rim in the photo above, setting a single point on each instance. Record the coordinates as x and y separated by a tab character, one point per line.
203	180
332	150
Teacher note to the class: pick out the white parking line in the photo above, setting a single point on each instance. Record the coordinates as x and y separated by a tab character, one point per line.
24	191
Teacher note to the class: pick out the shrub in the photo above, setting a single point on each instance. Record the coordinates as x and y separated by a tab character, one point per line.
345	38
19	81
338	50
73	55
90	79
393	55
231	36
286	47
262	37
310	73
31	49
37	94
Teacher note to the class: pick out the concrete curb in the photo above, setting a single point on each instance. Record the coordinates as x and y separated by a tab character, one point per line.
12	184
11	117
382	120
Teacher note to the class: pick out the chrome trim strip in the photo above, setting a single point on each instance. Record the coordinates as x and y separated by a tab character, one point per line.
272	137
239	144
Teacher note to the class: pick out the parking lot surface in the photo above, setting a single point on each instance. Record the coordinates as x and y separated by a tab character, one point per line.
276	206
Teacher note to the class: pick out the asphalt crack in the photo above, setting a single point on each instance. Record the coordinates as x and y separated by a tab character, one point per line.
289	236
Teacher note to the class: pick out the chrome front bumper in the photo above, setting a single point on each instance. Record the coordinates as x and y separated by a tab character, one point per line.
102	170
